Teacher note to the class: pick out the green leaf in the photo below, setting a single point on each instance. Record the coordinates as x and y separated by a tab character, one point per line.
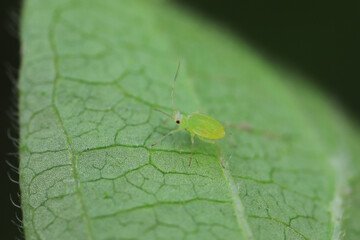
92	74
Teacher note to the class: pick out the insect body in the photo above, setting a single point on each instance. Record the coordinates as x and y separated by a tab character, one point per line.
206	128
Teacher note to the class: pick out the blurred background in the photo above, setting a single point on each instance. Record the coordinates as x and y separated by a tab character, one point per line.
319	39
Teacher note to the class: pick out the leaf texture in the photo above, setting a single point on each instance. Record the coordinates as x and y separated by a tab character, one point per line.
92	74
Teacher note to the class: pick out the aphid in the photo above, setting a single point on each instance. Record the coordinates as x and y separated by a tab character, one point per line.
206	128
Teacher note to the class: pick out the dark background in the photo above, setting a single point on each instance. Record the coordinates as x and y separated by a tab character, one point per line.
9	63
320	39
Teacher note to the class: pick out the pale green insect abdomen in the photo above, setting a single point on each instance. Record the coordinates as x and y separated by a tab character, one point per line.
204	126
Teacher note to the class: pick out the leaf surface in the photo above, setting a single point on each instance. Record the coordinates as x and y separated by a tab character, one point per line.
92	74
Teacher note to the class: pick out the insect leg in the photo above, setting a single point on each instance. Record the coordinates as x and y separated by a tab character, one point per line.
246	127
240	126
192	148
232	141
162	138
217	150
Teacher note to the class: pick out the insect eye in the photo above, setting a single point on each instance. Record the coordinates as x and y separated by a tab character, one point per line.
177	121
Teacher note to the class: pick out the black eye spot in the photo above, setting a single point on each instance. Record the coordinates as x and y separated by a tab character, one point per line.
177	121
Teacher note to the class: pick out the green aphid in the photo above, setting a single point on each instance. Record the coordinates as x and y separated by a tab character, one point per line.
206	128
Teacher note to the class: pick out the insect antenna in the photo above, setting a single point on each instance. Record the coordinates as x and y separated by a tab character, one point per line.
172	89
169	116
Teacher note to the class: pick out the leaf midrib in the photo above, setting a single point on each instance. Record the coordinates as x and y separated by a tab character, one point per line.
241	215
